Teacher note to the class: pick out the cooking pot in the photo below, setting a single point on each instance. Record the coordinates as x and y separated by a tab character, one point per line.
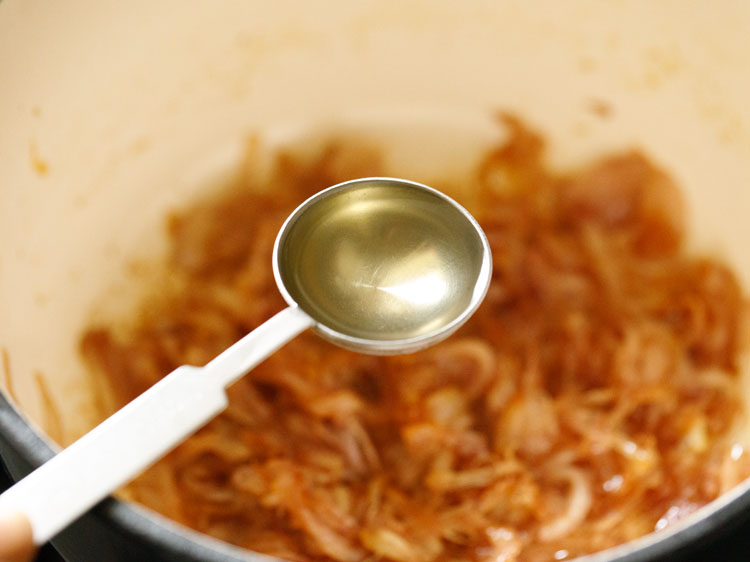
115	113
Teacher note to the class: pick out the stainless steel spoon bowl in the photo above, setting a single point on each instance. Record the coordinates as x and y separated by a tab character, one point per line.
383	265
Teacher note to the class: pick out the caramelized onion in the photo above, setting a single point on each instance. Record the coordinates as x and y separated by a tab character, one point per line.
595	389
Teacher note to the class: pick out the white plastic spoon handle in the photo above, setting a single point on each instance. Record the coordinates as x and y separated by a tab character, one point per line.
133	438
